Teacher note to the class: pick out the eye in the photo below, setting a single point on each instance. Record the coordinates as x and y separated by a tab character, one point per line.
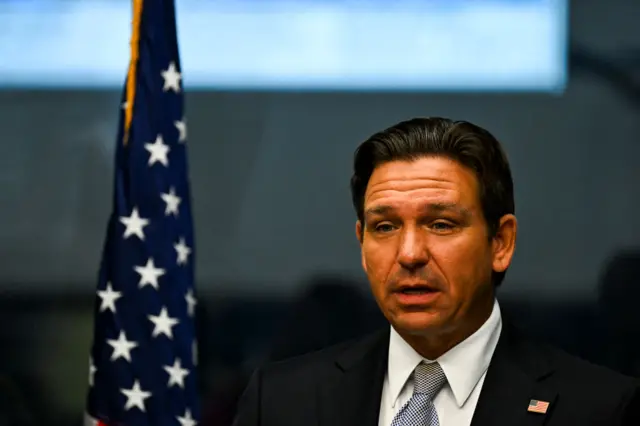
442	226
384	227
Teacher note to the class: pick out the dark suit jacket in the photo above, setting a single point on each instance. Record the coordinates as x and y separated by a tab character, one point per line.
342	386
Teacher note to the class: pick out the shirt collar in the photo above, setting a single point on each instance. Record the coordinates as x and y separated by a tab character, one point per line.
464	364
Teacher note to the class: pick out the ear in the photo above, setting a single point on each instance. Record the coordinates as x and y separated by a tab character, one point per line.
504	242
359	230
360	237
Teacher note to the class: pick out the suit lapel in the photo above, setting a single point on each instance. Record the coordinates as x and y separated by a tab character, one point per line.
351	394
514	378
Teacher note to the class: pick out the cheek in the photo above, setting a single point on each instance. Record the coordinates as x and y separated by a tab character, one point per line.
464	262
378	264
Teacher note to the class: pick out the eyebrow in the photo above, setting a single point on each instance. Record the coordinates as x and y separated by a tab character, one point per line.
427	208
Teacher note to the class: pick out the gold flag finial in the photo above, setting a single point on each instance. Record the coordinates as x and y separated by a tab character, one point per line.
133	66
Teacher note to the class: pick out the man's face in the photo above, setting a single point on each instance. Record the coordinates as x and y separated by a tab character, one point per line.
425	245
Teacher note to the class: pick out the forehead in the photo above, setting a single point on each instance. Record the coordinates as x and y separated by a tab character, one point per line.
427	179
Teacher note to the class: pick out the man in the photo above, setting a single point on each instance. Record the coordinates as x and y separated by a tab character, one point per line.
437	231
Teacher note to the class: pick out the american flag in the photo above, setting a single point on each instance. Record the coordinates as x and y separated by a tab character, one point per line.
142	368
536	406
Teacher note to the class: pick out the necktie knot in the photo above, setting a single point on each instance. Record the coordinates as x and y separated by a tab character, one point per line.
428	379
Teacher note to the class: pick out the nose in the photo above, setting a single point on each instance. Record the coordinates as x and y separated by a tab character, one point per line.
412	252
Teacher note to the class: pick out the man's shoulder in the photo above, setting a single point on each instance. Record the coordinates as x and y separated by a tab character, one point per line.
598	390
581	371
317	362
286	391
571	370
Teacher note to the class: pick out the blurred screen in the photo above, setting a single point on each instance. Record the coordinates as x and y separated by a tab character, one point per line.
298	44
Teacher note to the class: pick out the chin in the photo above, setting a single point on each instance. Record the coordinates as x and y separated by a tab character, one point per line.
417	322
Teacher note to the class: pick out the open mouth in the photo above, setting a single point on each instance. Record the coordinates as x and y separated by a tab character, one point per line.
416	295
417	291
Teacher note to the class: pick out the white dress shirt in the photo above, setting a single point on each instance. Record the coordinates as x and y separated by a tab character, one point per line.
465	366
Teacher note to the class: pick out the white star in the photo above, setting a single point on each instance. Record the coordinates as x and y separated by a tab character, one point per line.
187	420
171	78
173	201
183	251
108	298
191	302
125	104
122	347
149	274
163	323
176	373
135	396
134	224
92	371
181	125
158	151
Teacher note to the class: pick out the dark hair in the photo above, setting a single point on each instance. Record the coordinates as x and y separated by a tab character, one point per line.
461	141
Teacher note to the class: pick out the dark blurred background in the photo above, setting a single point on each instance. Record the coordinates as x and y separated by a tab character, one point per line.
277	260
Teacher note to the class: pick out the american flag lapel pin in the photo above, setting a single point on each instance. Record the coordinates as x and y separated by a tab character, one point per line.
536	406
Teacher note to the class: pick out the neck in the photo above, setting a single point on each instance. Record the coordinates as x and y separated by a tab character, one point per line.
433	345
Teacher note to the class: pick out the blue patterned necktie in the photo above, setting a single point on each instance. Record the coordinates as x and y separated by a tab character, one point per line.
428	379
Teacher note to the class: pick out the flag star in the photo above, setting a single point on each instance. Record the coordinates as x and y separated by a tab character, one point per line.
124	105
149	274
108	298
92	371
163	324
134	224
176	373
187	420
181	125
173	201
135	396
191	302
183	251
122	347
171	78
158	151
